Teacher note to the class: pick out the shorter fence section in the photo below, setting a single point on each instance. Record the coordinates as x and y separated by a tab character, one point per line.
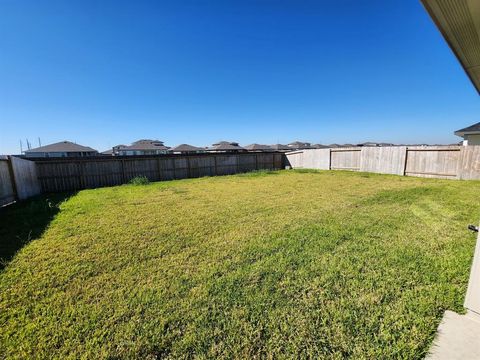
18	179
445	162
67	174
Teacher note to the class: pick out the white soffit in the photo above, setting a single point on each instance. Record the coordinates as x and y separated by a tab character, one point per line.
459	23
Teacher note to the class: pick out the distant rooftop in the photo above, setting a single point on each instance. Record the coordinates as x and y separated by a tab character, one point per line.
61	147
299	144
280	147
186	148
146	144
258	147
225	146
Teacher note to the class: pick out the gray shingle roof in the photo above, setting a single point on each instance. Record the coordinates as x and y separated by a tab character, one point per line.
62	146
186	148
280	147
258	147
299	145
146	144
475	128
225	146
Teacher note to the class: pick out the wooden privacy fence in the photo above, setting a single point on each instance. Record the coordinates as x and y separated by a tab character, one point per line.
56	175
446	162
18	179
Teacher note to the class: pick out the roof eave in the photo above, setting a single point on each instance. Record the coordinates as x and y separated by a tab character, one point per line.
463	133
453	38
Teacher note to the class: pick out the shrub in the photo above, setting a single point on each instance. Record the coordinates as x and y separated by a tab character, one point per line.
139	180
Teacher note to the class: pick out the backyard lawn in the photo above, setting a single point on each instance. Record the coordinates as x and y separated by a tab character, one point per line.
289	264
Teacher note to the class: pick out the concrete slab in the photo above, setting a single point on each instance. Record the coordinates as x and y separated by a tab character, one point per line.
458	337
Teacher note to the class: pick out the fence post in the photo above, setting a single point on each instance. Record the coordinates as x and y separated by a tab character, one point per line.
124	177
12	177
459	169
405	161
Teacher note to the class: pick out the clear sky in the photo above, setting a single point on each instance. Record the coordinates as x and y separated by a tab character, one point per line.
102	73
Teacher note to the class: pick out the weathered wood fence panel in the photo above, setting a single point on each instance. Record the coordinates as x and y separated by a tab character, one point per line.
345	159
25	177
437	162
295	160
57	175
469	166
18	179
445	162
384	160
7	192
317	159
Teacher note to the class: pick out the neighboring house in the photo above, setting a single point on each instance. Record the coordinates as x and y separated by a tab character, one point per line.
470	134
61	149
142	147
280	147
113	151
226	146
298	145
107	152
187	149
258	147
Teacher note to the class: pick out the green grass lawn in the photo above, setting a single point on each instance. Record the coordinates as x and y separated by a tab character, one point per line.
290	264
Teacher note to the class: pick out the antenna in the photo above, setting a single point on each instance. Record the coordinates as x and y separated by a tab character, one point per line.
21	147
39	142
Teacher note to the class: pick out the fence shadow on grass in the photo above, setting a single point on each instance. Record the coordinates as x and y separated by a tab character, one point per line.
25	221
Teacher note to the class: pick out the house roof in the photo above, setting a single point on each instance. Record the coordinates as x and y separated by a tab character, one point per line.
299	144
280	147
369	143
225	146
319	146
111	150
62	146
146	144
186	148
259	147
472	129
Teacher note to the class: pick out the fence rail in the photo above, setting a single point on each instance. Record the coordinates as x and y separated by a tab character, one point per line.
67	174
18	179
446	162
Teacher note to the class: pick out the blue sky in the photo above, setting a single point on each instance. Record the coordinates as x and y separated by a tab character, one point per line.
102	73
